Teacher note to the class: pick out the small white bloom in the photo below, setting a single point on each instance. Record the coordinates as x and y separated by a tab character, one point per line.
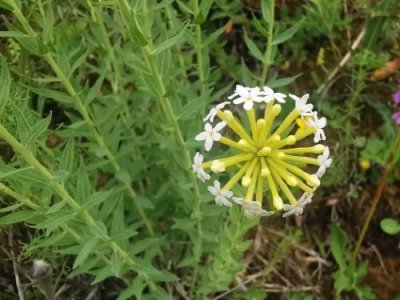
299	207
252	209
210	134
270	95
247	96
221	196
325	162
318	124
213	111
201	174
301	104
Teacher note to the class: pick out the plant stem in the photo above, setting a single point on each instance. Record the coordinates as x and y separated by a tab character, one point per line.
268	51
85	115
199	50
378	192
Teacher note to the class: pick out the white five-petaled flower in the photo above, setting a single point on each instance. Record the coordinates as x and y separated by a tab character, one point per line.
221	196
319	125
213	111
201	174
299	207
270	95
247	96
325	162
301	104
252	209
210	134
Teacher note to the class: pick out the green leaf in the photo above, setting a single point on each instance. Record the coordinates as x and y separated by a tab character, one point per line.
5	85
99	229
390	226
67	160
276	83
253	48
338	243
287	34
87	249
83	183
37	130
360	272
97	198
16	217
142	245
169	42
10	208
95	89
61	97
14	34
265	9
13	172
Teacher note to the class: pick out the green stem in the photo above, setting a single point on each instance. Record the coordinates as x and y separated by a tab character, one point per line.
268	51
199	50
85	115
378	192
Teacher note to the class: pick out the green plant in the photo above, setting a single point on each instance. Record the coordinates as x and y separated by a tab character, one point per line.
349	275
390	226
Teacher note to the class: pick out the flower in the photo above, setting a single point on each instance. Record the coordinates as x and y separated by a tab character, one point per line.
396	97
266	162
221	196
201	174
365	164
325	162
210	134
213	111
396	118
246	95
252	209
301	104
271	95
298	208
318	124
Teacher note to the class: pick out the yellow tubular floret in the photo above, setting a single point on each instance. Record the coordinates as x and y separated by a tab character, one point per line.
259	192
272	139
287	122
284	188
302	159
264	168
271	111
242	145
229	185
229	161
247	177
276	200
310	179
235	125
264	151
290	140
317	149
252	120
252	185
304	133
260	129
283	173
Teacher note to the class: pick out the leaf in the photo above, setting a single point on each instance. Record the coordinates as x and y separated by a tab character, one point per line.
169	42
390	226
99	229
87	249
10	208
83	183
67	159
275	83
14	34
253	48
142	245
13	172
338	243
5	85
51	94
134	289
287	34
95	89
16	217
97	198
265	9
36	131
360	272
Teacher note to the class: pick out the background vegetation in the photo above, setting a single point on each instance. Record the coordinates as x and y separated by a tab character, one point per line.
99	104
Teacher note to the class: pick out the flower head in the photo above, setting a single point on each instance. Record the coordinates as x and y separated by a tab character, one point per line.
213	111
222	196
197	161
270	95
210	134
325	162
265	153
319	125
301	104
396	118
247	96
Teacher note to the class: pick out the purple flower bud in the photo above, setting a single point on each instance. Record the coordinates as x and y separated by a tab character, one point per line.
396	97
396	117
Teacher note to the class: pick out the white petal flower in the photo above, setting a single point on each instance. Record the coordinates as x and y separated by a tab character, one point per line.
221	196
301	104
325	162
201	174
270	95
318	124
252	209
247	96
299	207
210	134
213	111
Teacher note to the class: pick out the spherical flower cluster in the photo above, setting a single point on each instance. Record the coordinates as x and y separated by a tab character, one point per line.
265	159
